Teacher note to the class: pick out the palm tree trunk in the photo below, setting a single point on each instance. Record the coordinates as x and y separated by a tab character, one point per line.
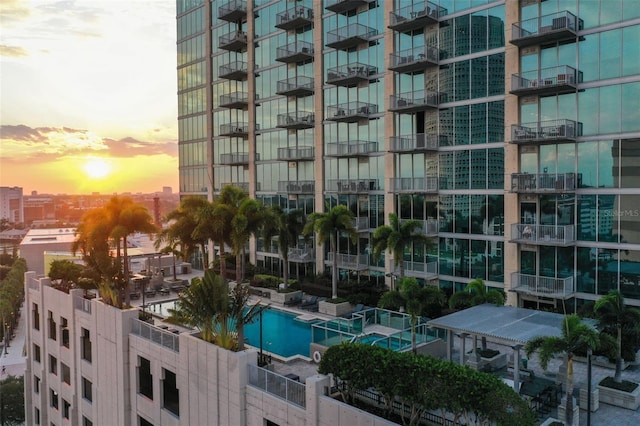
569	406
618	376
239	267
223	263
127	296
334	272
414	320
175	277
285	273
240	330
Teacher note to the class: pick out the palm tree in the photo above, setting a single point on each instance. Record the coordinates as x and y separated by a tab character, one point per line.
329	226
613	314
201	304
247	221
397	237
287	225
240	312
576	337
183	221
213	223
172	249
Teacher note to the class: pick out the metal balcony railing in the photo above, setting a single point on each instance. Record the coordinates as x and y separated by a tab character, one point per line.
296	52
277	385
416	142
426	270
546	131
233	11
235	129
361	223
356	262
351	112
295	86
296	154
544	182
236	100
546	235
554	27
561	288
297	186
415	60
350	74
545	81
415	17
156	335
302	255
422	184
80	303
350	36
242	185
295	17
296	120
235	41
236	158
352	186
237	70
351	149
420	100
342	6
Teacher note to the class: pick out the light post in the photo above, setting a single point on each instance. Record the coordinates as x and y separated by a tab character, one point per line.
589	353
261	355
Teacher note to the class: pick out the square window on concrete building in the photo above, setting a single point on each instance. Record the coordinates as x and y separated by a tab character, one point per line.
87	392
143	422
145	378
36	353
53	399
85	345
36	384
53	365
66	408
64	332
66	373
36	316
52	326
36	416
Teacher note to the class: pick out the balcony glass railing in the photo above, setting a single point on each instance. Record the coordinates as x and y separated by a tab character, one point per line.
405	18
231	129
416	101
551	130
545	28
350	36
341	6
277	385
233	10
235	41
296	120
430	269
544	182
298	51
295	86
416	142
543	234
236	158
297	186
302	255
411	60
350	73
296	154
351	149
542	286
237	70
428	227
156	335
350	261
351	111
295	17
421	184
551	79
352	185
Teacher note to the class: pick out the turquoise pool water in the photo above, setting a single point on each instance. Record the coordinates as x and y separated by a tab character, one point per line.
282	334
380	340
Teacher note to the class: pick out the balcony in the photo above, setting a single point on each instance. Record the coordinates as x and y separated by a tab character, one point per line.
237	71
296	52
235	129
296	187
242	185
342	6
558	288
544	183
236	159
301	153
295	86
350	36
361	224
356	262
350	74
549	28
302	255
236	100
235	41
351	149
352	186
351	112
296	120
543	235
416	142
552	131
233	11
424	185
429	227
427	271
546	81
294	18
415	17
414	61
420	100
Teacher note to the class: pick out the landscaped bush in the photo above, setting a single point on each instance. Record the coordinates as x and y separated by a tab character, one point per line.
625	385
337	300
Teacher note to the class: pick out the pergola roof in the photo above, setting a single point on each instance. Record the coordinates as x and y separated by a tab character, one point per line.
502	324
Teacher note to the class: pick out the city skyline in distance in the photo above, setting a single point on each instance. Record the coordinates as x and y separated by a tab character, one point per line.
88	97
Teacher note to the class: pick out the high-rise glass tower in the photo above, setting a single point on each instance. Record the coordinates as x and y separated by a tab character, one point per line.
510	129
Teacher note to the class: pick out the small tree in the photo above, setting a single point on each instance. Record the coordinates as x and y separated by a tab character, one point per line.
287	225
12	401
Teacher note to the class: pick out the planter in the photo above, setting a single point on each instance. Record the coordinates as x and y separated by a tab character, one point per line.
496	362
334	309
595	399
629	400
285	298
562	410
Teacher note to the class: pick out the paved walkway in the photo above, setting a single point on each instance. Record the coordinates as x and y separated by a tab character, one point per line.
14	361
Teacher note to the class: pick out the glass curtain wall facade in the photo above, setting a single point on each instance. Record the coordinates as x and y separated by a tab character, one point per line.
510	129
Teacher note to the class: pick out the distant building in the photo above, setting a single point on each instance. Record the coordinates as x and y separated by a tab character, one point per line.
11	204
166	190
39	241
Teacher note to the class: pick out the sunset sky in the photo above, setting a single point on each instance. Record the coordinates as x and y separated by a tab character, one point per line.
88	96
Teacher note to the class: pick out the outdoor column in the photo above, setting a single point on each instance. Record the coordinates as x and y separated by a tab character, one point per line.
450	337
463	343
516	368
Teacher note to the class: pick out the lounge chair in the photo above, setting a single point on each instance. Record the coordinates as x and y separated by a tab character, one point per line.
309	303
359	307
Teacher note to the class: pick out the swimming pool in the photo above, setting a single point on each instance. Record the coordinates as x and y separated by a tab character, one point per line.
282	334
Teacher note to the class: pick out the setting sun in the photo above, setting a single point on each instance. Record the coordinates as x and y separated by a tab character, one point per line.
97	168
